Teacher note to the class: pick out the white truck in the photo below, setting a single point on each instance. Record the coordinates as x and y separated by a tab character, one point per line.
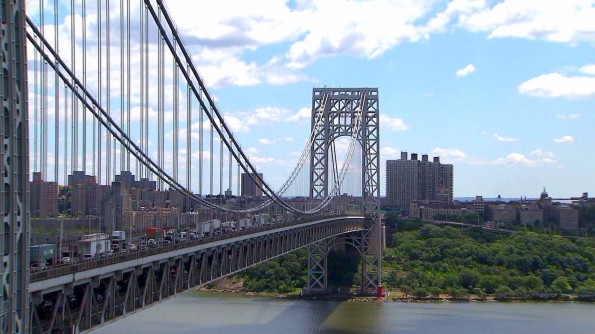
244	223
93	245
118	236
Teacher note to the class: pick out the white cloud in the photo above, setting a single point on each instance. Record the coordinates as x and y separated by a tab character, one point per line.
449	152
265	141
564	139
454	8
588	69
568	116
559	85
303	114
465	71
375	27
393	124
504	139
568	21
235	124
253	150
535	158
289	139
388	151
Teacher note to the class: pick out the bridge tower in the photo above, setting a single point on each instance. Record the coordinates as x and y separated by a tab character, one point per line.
338	107
14	179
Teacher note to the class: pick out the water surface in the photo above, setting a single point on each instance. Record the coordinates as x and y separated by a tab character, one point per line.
229	314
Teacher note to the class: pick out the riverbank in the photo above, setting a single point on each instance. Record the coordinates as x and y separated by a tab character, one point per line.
236	286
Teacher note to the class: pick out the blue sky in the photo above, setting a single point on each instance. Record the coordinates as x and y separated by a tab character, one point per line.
503	90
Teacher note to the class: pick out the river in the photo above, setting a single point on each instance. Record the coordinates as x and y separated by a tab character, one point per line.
222	313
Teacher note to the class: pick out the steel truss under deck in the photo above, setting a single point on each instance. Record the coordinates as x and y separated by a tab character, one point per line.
338	108
82	296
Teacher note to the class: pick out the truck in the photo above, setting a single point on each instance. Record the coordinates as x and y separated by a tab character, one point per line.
154	233
118	236
44	253
262	219
70	251
215	223
244	223
205	227
94	245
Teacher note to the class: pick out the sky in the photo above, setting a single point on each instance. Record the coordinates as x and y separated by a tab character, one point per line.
503	90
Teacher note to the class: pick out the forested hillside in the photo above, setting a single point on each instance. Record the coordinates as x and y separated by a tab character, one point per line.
425	260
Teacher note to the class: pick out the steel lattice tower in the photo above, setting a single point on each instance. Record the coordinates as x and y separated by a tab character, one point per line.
14	154
337	107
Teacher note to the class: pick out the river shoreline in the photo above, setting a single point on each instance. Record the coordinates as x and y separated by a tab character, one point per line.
399	297
230	285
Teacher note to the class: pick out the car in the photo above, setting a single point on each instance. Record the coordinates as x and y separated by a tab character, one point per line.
36	266
66	260
87	257
151	243
132	247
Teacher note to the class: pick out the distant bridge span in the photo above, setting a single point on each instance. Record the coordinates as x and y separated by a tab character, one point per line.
81	296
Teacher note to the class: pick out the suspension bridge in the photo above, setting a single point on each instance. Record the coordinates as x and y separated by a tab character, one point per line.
106	88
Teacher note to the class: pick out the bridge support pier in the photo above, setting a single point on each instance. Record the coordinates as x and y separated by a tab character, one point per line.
317	268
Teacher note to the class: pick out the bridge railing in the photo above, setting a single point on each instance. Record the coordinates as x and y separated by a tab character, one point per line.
88	265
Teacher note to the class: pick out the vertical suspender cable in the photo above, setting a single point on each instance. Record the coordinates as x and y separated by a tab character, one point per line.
188	137
36	96
56	101
128	80
122	83
211	163
139	167
74	120
160	98
108	70
200	145
176	120
99	92
44	104
66	170
147	104
84	30
230	170
221	167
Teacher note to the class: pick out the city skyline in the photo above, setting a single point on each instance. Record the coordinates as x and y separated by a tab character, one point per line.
503	90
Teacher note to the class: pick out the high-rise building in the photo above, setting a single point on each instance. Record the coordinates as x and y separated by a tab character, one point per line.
414	180
44	197
251	187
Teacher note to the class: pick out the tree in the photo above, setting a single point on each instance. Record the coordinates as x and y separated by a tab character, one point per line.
489	283
457	292
561	285
420	292
468	279
503	292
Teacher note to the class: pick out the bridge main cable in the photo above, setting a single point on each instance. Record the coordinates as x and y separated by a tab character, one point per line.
244	162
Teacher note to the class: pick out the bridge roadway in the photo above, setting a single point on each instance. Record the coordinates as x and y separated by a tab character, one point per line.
81	296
